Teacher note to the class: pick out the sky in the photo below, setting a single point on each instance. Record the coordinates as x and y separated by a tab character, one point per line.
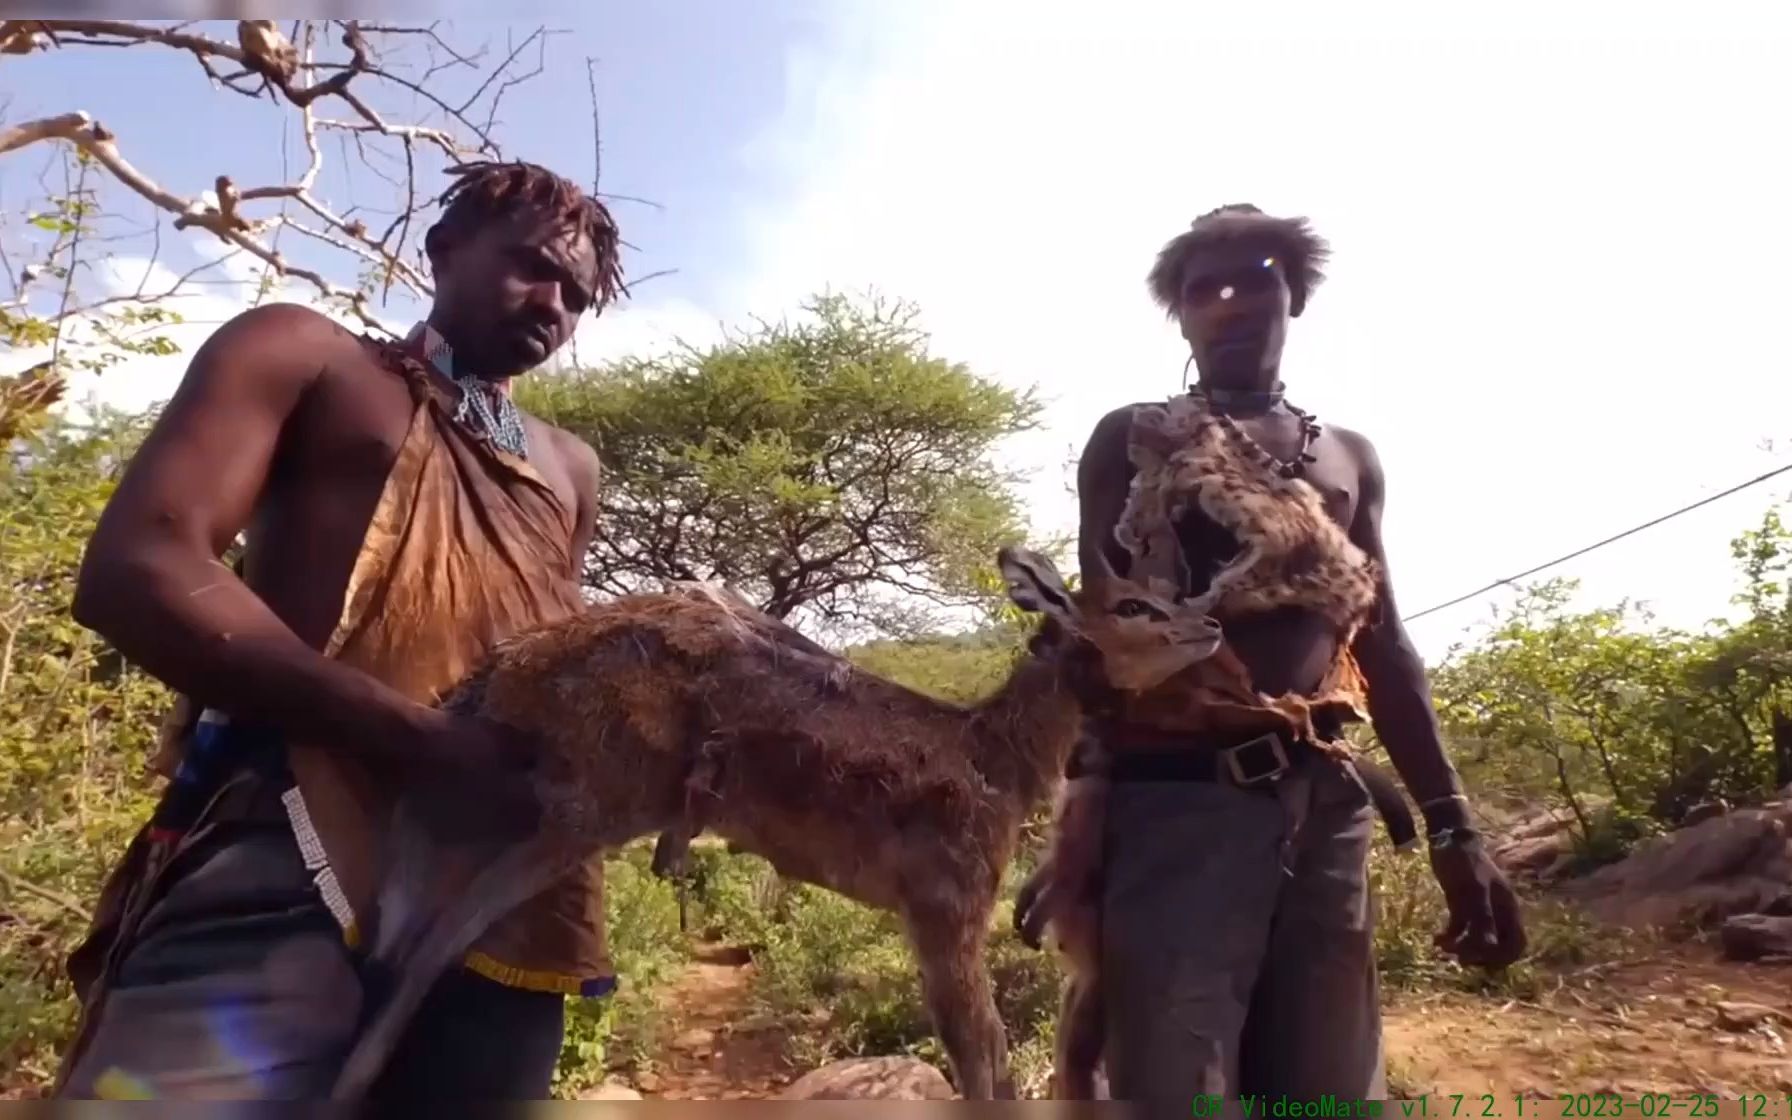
1558	231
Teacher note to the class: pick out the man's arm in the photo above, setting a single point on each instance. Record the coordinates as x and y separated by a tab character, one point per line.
1101	485
587	474
1400	707
151	582
1485	926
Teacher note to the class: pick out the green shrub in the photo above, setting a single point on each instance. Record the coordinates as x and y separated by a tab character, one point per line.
647	951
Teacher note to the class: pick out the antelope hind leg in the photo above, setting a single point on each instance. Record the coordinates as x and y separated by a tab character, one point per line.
516	874
957	990
1070	905
1081	1032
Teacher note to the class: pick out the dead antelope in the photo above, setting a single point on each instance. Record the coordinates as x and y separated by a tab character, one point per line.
674	712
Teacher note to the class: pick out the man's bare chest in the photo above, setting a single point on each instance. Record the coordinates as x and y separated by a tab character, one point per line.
348	436
338	454
1333	471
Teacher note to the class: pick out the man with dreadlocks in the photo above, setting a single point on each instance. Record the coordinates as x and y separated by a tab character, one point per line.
1237	954
401	515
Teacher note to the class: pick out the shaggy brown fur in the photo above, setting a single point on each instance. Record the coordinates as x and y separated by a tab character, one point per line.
1302	252
656	707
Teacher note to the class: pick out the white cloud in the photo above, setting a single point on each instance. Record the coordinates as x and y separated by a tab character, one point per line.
638	329
1554	285
141	381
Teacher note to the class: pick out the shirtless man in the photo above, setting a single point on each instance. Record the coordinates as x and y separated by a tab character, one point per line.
221	963
1225	974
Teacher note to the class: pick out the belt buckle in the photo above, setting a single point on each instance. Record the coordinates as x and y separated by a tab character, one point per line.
1278	755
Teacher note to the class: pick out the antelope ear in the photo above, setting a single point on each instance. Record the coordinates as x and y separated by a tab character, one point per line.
1035	585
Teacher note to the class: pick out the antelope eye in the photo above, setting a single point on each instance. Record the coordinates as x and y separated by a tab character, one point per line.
1133	608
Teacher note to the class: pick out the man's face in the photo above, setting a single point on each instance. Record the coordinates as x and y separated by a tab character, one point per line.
1234	313
509	294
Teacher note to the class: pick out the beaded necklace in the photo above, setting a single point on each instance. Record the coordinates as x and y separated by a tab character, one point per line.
1219	402
483	407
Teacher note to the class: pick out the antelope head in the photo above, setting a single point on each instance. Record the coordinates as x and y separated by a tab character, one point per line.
1133	636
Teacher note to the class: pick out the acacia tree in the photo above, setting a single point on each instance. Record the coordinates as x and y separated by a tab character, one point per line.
361	115
830	466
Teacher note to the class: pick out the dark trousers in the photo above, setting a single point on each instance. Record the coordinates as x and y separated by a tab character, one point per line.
237	985
1225	975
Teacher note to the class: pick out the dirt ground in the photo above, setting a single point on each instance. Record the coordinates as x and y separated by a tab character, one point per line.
1649	1025
716	1051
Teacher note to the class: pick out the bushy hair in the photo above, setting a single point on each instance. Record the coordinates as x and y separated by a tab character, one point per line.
483	192
1302	252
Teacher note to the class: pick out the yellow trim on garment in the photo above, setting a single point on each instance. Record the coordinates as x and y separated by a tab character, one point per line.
533	980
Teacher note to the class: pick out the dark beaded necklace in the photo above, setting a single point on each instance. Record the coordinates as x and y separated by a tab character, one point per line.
1222	401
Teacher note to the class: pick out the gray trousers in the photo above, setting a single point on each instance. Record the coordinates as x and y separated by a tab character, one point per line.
1225	975
237	986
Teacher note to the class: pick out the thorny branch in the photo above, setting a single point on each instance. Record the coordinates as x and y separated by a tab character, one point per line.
373	66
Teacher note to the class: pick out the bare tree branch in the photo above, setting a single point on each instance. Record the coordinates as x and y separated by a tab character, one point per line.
365	69
222	220
597	132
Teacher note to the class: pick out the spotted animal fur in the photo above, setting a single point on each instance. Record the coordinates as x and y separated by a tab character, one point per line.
1291	553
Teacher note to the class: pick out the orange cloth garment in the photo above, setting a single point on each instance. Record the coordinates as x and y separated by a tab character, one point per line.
467	546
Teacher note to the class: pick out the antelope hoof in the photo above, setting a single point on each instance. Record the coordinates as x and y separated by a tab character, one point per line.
1032	910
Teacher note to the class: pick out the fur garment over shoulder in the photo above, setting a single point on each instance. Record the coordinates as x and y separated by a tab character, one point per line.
1291	554
1290	551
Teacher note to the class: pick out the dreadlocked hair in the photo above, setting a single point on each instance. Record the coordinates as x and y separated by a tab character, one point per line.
1302	252
483	191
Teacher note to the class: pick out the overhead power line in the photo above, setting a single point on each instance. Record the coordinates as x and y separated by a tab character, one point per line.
1499	583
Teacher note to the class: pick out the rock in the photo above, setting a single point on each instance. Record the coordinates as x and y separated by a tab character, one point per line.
647	1082
1746	1016
1534	848
1737	863
1703	812
610	1091
694	1040
891	1079
1752	937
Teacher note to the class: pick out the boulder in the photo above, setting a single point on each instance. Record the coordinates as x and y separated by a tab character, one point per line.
1534	848
1737	863
1754	937
1702	812
888	1078
610	1091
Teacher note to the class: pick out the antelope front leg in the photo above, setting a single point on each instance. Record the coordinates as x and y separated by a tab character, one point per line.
961	1003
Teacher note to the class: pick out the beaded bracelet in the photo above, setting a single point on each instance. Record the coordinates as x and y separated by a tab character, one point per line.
1452	838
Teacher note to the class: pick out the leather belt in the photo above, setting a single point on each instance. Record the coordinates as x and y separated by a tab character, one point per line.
1255	766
